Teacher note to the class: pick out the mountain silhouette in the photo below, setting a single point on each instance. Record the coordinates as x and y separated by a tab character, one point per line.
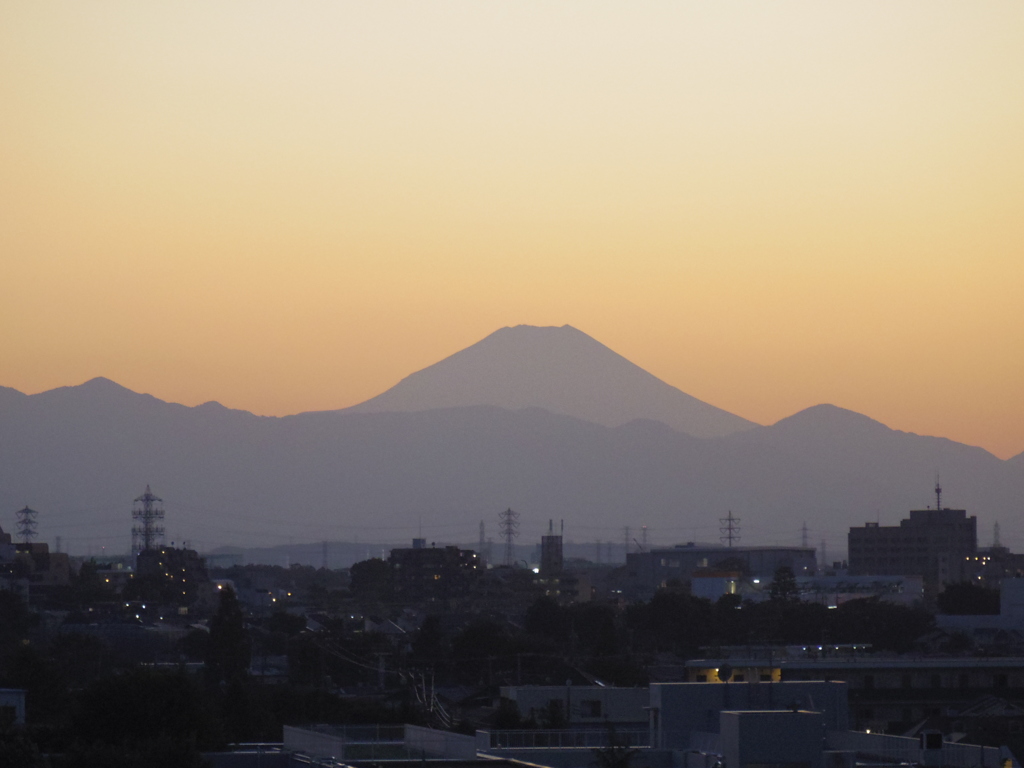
80	454
561	370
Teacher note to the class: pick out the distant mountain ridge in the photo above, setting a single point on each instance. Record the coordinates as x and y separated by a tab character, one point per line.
81	454
562	370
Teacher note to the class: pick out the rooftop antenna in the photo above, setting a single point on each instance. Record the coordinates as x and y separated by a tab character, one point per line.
803	535
730	529
643	537
26	524
509	525
938	493
627	537
149	513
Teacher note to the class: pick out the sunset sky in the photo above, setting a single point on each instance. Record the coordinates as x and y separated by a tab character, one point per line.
290	206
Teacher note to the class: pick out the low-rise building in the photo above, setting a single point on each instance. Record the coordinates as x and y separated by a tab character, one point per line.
181	573
646	572
935	544
887	692
432	573
582	706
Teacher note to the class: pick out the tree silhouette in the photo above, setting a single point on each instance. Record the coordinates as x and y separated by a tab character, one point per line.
228	652
783	588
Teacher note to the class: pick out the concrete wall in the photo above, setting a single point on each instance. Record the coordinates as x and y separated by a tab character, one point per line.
589	704
453	746
772	738
678	709
13	699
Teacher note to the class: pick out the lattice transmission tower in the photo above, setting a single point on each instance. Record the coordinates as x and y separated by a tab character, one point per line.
509	525
730	529
149	514
26	525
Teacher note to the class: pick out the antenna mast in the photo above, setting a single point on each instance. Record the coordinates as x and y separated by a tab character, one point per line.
803	535
509	525
730	529
150	514
938	493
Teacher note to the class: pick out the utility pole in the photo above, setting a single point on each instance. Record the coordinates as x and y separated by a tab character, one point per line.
482	545
730	529
509	525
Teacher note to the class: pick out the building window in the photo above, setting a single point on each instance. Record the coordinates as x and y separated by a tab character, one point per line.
739	678
590	708
702	678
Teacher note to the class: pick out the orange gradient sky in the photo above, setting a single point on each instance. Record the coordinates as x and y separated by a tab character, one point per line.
290	206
